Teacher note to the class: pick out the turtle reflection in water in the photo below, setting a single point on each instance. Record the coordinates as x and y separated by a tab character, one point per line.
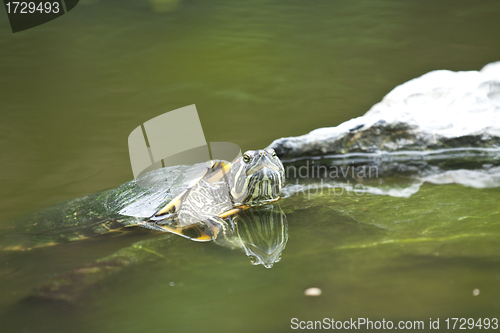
262	233
201	202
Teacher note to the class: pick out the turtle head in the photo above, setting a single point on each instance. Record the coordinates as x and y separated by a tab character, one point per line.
256	178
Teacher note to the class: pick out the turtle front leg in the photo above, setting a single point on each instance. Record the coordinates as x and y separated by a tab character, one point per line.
202	231
233	211
194	232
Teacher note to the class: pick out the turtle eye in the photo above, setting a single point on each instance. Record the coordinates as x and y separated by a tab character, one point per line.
246	158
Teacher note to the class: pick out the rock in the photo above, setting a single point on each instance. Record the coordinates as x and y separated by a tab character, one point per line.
313	292
439	110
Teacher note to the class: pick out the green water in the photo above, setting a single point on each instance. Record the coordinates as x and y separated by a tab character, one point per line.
73	89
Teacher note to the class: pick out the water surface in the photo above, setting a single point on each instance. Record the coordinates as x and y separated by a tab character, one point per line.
73	89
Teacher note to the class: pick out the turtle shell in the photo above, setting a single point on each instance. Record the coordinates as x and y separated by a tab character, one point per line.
127	205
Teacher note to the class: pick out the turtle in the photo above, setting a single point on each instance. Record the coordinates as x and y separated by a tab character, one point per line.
193	201
225	189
